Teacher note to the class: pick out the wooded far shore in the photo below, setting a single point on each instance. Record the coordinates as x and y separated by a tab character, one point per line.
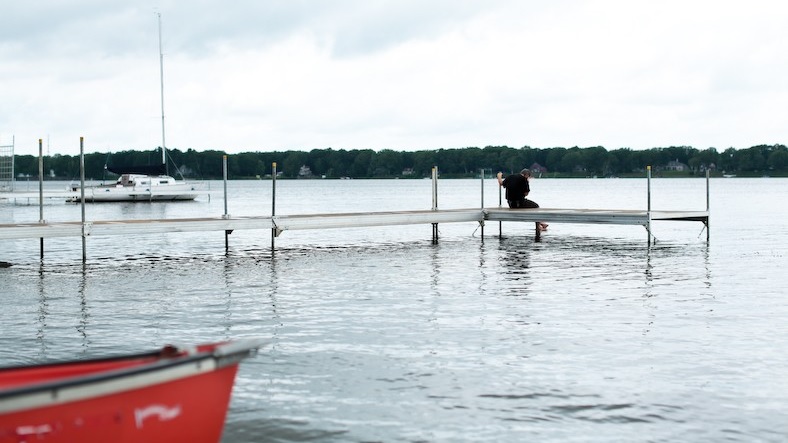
680	161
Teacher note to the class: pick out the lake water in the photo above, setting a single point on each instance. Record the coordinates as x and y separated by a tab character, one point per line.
376	334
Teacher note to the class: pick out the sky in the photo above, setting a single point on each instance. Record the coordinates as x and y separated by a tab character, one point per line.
274	75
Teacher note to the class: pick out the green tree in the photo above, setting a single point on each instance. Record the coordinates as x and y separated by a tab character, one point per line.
386	163
573	161
340	163
423	162
291	164
554	159
595	160
778	159
728	161
706	159
625	161
362	164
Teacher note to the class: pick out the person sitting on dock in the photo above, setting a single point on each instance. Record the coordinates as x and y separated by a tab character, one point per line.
517	188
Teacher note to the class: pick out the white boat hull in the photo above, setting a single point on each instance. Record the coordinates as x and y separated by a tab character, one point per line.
138	188
110	195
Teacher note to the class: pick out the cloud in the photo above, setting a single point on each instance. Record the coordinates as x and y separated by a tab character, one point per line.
395	74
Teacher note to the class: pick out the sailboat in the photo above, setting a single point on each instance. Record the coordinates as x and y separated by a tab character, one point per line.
139	187
140	183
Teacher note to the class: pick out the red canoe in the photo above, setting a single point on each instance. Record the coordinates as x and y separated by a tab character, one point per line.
171	395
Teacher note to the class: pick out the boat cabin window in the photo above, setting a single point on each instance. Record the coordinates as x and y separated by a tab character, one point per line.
163	182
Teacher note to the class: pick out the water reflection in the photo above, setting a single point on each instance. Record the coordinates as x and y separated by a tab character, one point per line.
84	317
707	267
649	276
43	311
435	268
270	264
228	313
516	262
482	262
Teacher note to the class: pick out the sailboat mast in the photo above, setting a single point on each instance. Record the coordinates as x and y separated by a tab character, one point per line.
161	80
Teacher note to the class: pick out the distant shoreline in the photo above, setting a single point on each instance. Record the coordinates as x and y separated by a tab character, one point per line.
546	175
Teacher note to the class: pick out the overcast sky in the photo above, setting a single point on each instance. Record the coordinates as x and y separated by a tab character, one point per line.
264	75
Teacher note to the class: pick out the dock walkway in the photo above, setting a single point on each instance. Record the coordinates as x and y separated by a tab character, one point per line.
594	216
281	223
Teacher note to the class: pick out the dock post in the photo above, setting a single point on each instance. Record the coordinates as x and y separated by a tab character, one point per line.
482	183
500	201
708	207
224	178
82	194
41	191
273	205
434	202
648	204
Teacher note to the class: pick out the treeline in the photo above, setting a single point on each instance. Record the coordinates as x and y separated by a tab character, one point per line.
464	162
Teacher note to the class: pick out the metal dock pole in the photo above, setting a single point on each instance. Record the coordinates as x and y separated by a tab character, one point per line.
500	223
273	205
434	202
648	204
41	191
82	195
708	206
481	176
225	216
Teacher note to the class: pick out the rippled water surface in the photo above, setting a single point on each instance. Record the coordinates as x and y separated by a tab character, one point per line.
377	334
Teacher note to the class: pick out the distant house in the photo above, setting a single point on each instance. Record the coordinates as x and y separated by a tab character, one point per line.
536	168
709	167
407	172
305	172
675	165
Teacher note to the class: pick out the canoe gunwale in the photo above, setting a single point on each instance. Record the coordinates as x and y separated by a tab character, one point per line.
168	368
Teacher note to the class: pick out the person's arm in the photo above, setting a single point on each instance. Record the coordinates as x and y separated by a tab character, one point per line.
500	180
